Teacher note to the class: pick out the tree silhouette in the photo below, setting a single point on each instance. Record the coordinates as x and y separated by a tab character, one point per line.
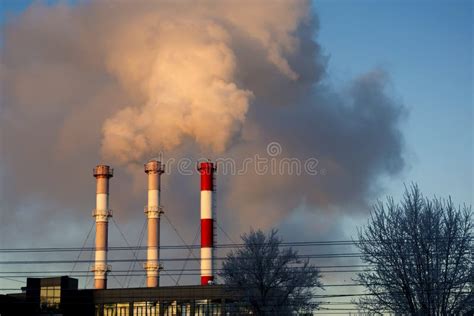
420	253
272	279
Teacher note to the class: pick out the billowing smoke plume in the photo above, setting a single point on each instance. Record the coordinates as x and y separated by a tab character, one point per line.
180	59
121	81
185	71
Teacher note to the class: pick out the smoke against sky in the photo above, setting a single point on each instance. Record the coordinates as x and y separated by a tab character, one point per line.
120	82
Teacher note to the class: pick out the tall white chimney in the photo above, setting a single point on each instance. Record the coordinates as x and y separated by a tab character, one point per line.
102	173
153	210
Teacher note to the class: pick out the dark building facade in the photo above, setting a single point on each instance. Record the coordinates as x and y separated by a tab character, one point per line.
61	296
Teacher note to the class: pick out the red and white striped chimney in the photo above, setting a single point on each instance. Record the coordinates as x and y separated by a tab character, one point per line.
101	214
206	170
153	210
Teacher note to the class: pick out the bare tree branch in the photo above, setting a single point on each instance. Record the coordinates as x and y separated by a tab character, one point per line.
273	280
422	251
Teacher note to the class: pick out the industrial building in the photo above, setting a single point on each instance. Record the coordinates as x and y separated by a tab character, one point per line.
61	295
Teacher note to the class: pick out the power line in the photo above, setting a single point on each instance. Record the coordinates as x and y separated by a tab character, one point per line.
140	239
228	237
217	269
83	245
88	280
164	259
11	279
304	256
134	254
189	254
173	270
230	245
180	237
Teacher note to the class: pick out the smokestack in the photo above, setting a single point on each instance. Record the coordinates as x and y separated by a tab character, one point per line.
153	210
101	214
207	225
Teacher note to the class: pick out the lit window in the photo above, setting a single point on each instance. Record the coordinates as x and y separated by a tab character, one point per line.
109	310
50	297
122	309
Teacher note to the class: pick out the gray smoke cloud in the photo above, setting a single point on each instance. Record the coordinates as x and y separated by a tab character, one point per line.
119	82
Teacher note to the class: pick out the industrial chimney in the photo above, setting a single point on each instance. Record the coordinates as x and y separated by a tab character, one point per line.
102	173
153	210
206	170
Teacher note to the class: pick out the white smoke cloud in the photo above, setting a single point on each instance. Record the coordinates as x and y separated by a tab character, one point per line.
189	87
182	64
120	81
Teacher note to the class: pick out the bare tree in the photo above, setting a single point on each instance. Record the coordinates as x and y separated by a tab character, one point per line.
272	279
420	254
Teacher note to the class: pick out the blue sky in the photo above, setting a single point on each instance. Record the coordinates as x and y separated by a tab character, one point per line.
426	47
